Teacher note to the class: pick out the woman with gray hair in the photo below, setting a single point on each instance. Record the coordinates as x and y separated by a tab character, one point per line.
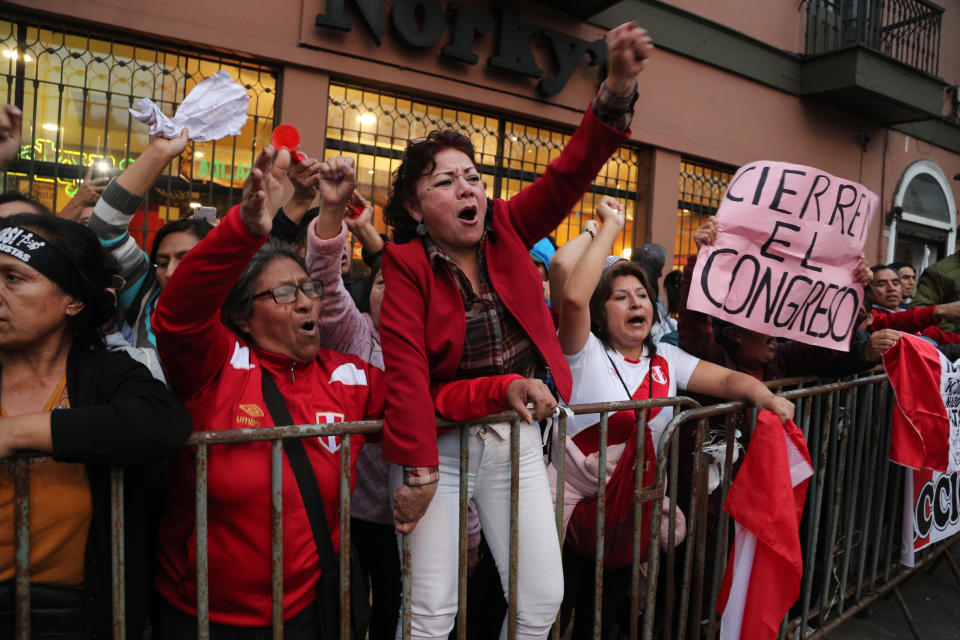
236	326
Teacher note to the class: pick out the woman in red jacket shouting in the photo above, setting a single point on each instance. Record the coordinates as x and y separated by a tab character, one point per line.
238	312
464	300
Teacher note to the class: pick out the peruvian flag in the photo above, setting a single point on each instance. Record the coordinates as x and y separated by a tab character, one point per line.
925	433
766	500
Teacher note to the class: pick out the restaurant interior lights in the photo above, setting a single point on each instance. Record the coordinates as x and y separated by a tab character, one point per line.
13	55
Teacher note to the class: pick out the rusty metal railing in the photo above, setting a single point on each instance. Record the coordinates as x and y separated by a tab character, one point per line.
905	30
852	519
849	533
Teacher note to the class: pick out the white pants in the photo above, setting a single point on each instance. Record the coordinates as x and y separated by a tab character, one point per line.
434	541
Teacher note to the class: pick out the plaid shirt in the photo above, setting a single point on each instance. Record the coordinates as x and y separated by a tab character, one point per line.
495	343
614	110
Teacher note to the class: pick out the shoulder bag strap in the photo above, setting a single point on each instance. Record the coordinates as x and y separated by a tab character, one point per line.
303	472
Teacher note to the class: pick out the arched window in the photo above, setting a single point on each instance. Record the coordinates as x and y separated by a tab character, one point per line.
927	217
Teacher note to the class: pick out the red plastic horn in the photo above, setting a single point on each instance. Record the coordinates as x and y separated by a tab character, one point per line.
287	135
356	210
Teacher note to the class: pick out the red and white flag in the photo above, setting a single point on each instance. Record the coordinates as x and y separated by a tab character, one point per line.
925	433
765	500
925	436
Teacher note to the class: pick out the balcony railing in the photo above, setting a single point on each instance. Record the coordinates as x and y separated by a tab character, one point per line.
905	30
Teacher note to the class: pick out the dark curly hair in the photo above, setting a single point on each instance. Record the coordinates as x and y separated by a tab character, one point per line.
598	314
417	162
95	270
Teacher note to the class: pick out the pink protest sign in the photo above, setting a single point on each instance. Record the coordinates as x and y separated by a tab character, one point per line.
788	240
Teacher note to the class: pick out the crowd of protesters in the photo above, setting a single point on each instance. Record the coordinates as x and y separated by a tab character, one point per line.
467	310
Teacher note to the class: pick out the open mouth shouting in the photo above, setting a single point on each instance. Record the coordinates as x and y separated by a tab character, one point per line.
468	215
637	321
308	328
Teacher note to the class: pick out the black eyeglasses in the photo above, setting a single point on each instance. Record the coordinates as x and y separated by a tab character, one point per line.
287	293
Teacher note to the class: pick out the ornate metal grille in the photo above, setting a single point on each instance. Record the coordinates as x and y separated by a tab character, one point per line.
75	87
374	126
906	30
702	186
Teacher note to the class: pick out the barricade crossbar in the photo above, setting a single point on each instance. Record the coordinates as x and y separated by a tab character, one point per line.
849	532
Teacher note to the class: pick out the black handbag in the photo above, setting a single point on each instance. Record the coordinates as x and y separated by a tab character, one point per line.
328	587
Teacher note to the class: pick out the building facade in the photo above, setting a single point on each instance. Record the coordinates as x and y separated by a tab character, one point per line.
863	89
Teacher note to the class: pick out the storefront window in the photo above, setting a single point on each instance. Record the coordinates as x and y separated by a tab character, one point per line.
702	186
75	89
374	127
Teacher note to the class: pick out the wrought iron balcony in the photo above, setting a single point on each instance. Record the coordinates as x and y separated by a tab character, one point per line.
906	30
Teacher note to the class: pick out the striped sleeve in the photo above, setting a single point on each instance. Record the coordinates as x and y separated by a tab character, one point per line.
110	219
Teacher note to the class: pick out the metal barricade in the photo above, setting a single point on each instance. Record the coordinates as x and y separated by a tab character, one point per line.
849	532
851	525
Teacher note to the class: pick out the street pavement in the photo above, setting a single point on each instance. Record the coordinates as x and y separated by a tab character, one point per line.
933	598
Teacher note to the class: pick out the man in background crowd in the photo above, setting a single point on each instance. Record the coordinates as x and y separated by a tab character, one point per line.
651	258
908	282
938	284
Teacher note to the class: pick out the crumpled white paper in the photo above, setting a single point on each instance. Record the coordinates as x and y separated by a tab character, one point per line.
216	108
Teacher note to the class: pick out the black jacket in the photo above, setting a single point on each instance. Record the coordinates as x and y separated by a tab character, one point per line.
119	415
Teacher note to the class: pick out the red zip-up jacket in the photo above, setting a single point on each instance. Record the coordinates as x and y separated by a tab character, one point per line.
218	376
422	324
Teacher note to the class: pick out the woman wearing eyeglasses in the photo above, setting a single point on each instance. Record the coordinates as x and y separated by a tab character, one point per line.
238	312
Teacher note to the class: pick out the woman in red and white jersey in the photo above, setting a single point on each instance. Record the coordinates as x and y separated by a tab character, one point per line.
607	309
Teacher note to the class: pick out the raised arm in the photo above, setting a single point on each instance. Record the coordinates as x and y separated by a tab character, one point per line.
362	227
539	208
565	260
117	205
88	194
337	181
192	342
344	328
695	329
10	119
575	308
303	176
